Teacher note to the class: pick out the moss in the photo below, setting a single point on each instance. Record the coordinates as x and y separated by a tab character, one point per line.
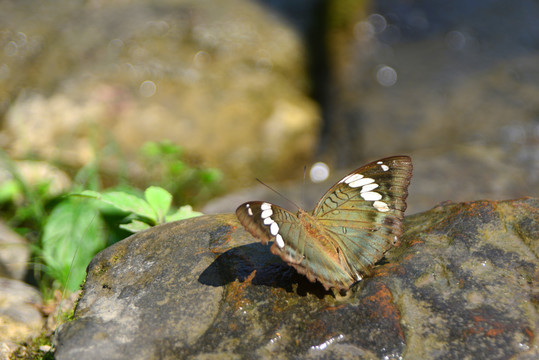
100	269
30	350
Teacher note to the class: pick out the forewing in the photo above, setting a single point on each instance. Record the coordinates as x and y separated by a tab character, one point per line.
269	222
363	212
317	260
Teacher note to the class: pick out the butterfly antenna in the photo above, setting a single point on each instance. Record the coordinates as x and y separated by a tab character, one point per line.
278	193
303	185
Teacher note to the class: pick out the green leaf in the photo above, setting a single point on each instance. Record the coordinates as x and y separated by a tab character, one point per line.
88	193
9	190
211	175
135	226
71	237
160	200
124	201
184	212
150	149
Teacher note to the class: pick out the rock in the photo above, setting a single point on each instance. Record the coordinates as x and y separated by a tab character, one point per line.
464	283
14	254
226	81
20	318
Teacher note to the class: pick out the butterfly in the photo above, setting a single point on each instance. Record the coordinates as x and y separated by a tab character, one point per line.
351	227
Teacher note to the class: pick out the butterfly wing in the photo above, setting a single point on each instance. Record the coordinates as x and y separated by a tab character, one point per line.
352	226
363	212
258	218
293	242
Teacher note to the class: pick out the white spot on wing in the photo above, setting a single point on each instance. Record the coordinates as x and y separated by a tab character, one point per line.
369	187
249	211
360	182
379	162
385	167
371	196
279	240
274	228
380	206
268	221
266	213
265	206
351	177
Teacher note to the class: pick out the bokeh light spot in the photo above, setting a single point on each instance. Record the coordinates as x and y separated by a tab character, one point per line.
201	59
319	172
378	22
386	75
455	40
148	88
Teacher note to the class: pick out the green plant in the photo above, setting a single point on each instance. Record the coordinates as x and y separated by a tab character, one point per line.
24	201
173	170
37	348
75	229
72	235
154	209
65	232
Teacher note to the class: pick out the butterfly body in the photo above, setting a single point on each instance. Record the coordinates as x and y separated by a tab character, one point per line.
352	226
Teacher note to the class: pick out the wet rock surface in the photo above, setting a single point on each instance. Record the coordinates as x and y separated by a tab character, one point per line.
464	283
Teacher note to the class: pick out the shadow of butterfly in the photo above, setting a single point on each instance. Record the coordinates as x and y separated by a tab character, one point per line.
356	221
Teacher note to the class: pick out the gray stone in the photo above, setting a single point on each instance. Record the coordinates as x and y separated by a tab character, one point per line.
463	284
20	318
14	254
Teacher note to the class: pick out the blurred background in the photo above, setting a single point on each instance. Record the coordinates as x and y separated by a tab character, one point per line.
201	97
244	88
